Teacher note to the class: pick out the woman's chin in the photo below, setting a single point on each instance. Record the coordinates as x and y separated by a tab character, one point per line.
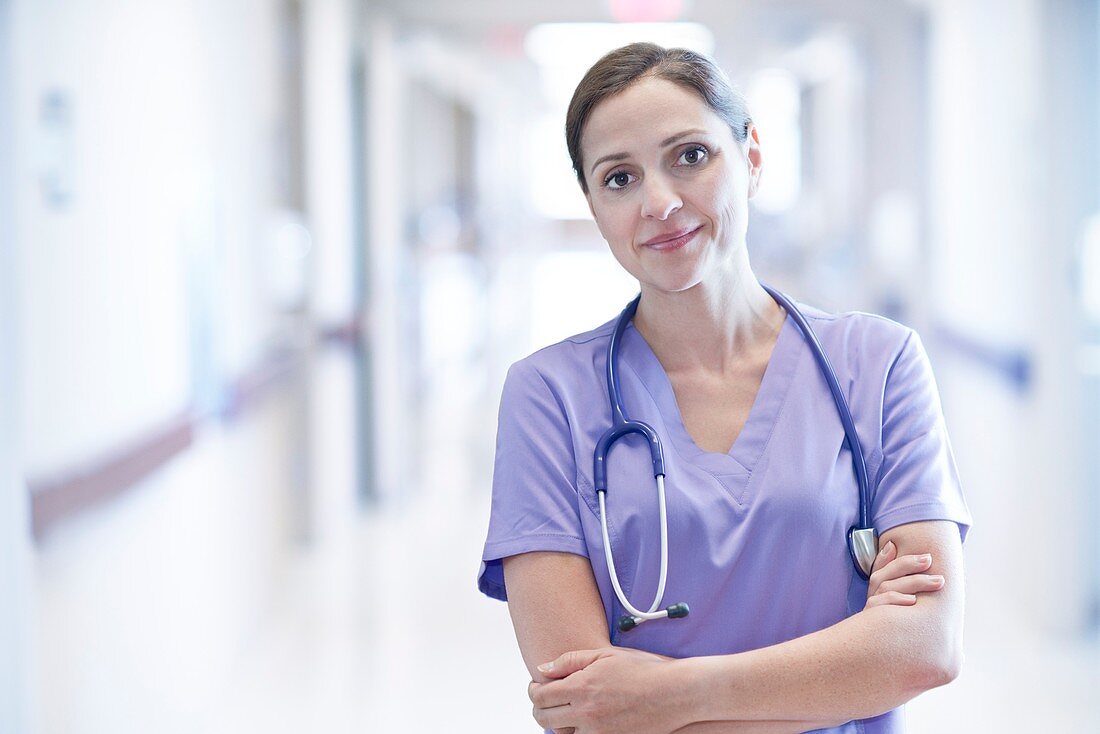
666	284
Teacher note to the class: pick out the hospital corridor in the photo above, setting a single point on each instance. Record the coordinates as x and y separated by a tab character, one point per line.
266	267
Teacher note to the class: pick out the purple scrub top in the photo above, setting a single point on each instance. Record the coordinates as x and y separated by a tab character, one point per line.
757	543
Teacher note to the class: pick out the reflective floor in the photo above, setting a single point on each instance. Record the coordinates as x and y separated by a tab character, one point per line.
379	628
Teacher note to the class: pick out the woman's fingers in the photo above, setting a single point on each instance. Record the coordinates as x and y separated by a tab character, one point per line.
886	554
913	584
898	580
542	714
899	567
559	718
891	597
551	695
569	663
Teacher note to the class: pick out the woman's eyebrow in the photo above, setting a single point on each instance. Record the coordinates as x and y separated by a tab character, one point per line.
664	143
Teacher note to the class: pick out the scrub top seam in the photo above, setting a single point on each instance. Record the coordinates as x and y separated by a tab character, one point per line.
611	533
626	584
917	506
691	460
873	455
565	419
874	469
533	535
657	404
874	477
601	331
779	414
580	477
593	507
595	334
775	364
497	551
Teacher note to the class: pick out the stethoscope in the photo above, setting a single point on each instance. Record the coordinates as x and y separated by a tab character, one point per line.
862	539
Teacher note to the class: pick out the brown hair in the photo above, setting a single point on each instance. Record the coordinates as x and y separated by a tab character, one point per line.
622	67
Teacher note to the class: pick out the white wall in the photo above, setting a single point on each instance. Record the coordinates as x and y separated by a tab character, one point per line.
151	278
328	33
1009	166
16	621
170	151
388	261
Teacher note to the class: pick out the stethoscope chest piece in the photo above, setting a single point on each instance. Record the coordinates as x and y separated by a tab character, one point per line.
863	546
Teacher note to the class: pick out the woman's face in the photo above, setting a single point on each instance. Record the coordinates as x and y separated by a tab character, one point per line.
668	185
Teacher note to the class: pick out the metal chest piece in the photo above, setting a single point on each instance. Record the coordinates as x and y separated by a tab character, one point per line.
863	546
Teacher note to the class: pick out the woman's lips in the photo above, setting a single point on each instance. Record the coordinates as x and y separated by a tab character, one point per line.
675	243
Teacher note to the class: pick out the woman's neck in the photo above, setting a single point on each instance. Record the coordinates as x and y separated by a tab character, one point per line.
711	326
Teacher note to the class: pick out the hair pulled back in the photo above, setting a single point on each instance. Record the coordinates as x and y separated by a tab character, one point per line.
620	68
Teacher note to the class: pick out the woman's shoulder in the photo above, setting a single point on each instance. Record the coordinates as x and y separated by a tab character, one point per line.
562	365
579	349
859	339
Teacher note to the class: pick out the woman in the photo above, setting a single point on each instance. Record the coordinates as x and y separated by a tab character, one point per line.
783	633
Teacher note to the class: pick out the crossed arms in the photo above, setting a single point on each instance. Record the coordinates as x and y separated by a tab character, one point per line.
862	666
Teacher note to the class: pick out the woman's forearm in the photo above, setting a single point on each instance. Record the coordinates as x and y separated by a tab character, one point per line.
752	727
862	666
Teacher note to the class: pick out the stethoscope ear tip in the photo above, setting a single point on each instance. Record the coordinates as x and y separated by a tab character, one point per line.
676	611
627	623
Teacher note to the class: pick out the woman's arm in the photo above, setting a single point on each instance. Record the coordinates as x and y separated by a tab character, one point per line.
555	607
862	666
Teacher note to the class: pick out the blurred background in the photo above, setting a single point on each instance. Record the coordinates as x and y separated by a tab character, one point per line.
264	264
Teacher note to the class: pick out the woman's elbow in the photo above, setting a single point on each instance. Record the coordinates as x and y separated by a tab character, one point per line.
928	646
939	668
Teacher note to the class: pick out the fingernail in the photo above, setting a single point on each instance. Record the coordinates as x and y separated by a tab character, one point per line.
937	579
546	667
925	558
886	548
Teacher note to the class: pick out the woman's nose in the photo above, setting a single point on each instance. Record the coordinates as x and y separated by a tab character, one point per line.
659	200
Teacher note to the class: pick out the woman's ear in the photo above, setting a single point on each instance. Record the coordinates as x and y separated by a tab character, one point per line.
754	157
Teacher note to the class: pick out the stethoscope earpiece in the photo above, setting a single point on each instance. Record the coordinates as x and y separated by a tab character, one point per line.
676	611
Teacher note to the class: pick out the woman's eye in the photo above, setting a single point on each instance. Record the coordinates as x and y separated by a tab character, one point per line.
693	156
617	180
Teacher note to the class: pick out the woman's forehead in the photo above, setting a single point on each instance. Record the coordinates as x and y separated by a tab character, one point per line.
643	115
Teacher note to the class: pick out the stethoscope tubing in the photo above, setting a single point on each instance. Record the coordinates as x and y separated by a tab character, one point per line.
622	425
637	613
826	369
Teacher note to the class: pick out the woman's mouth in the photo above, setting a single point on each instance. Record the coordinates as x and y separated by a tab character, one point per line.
675	242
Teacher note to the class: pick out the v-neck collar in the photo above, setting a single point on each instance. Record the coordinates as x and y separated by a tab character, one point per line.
753	439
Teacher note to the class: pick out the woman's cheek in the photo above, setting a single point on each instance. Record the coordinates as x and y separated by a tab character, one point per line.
623	251
734	218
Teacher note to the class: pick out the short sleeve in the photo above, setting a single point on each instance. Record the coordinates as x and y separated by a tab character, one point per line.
535	503
918	479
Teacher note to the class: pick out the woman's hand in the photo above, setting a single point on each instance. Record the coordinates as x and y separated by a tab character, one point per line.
616	689
899	580
613	689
